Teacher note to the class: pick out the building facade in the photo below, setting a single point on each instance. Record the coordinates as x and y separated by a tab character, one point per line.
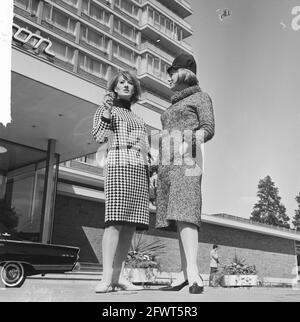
64	53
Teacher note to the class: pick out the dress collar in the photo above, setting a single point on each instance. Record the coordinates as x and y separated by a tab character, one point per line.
122	103
178	96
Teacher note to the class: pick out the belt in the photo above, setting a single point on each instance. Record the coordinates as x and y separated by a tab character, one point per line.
124	147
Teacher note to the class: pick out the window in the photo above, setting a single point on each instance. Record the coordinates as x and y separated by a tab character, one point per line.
59	19
127	7
156	19
157	67
123	53
28	5
169	27
93	66
94	38
62	51
99	14
85	6
150	15
163	67
73	3
124	29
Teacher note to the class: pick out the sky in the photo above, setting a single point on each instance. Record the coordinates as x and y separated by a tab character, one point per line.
249	64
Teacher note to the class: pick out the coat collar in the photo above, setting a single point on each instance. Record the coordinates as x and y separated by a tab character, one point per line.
178	96
122	103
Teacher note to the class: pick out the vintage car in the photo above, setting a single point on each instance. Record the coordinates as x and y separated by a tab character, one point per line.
19	259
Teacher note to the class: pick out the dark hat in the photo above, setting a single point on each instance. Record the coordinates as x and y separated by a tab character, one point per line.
183	61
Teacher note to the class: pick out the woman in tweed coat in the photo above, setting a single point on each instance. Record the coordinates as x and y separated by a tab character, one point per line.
189	122
126	176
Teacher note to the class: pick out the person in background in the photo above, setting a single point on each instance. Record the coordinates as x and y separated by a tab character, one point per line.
214	264
188	123
126	177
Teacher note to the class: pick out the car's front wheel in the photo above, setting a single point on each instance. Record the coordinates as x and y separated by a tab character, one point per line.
13	274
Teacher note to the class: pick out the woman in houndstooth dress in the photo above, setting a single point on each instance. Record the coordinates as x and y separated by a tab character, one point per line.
126	176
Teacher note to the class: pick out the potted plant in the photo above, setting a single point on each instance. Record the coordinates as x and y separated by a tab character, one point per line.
238	273
142	265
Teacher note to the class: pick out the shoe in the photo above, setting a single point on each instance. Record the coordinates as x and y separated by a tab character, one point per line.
127	286
103	288
176	287
195	288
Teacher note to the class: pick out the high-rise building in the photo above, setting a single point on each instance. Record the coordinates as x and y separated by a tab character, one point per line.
64	53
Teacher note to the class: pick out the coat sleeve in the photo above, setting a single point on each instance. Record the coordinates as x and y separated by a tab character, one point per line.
205	112
101	126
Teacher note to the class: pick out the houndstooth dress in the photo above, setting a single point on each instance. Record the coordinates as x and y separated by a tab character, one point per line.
126	170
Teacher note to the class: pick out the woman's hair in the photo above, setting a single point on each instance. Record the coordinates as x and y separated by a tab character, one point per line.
128	76
185	76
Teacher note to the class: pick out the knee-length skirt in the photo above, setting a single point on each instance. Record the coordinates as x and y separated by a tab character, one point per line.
127	195
178	197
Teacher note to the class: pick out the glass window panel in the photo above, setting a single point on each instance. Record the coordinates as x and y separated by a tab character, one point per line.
22	4
125	53
150	16
95	39
96	13
127	6
70	55
83	30
150	63
156	68
126	30
156	18
85	6
135	11
72	26
34	6
60	20
47	11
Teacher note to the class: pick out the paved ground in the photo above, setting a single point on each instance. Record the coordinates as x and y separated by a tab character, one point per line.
36	290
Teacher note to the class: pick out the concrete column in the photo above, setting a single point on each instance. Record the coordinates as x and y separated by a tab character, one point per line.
3	180
46	222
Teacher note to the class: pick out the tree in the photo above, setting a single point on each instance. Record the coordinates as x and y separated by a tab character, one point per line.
269	209
296	221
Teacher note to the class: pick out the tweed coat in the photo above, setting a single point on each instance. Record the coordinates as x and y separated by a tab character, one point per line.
189	120
126	171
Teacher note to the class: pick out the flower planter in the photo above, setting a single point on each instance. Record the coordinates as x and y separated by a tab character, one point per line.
141	275
239	280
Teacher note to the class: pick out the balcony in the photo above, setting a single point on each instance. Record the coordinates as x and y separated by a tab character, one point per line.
50	25
25	13
96	23
181	7
149	47
154	102
167	13
154	80
166	40
126	15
